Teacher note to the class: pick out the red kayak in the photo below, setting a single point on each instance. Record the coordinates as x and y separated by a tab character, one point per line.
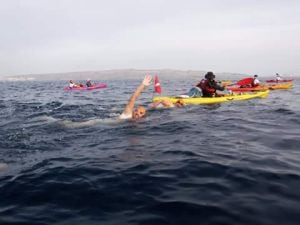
278	81
86	88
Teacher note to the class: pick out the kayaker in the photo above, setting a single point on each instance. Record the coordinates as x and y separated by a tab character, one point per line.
255	82
209	86
89	83
72	84
135	113
278	77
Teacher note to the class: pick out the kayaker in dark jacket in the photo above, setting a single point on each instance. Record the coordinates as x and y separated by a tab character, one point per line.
209	86
89	83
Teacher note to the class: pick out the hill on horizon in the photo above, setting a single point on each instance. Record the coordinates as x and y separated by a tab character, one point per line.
121	74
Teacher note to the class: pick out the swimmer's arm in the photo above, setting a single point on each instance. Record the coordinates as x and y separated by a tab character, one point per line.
165	103
130	105
155	104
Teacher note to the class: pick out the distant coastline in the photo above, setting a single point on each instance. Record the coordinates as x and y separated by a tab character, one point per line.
119	74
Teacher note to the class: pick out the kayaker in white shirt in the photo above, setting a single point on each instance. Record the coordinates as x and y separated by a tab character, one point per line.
72	84
255	82
278	77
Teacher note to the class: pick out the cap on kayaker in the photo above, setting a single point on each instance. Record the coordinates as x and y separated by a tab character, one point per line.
255	75
210	76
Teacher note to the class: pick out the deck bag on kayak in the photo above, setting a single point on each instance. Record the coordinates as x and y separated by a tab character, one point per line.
195	92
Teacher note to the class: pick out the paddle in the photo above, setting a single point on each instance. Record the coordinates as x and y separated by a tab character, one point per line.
245	81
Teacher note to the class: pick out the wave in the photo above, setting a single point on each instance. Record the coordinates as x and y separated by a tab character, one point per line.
42	120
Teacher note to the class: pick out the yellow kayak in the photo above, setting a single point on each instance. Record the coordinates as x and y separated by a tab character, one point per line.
213	100
280	86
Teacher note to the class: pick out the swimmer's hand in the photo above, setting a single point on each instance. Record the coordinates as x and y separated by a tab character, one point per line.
147	80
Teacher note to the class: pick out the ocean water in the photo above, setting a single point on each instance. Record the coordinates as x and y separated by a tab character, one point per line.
65	158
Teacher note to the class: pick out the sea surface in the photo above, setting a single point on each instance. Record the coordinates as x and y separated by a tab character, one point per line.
66	158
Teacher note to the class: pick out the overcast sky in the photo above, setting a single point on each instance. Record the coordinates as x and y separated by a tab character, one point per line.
244	36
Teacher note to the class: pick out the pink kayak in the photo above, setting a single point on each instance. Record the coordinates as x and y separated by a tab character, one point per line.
86	88
277	81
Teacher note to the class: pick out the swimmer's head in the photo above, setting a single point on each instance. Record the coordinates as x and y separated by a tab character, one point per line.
179	103
139	112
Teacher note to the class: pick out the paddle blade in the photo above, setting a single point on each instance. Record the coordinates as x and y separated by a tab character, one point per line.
245	81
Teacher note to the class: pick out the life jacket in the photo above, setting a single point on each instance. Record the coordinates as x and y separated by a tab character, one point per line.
205	87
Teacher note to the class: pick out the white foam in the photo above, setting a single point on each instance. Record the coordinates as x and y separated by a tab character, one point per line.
113	119
90	123
47	119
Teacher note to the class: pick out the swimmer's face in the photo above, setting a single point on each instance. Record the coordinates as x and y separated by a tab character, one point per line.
139	112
